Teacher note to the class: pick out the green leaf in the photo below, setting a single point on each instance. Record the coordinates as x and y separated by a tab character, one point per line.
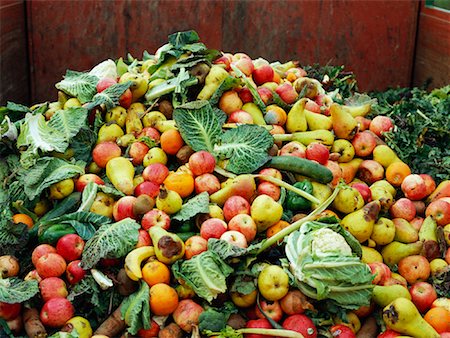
224	249
229	83
78	84
17	108
245	147
45	172
205	273
198	204
69	122
180	39
135	309
88	196
14	290
110	96
82	144
110	241
256	98
199	124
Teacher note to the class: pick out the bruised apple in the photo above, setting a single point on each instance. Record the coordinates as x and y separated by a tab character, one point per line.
187	314
414	268
235	205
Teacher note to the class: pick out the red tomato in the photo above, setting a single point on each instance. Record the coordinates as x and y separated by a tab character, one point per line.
342	331
302	324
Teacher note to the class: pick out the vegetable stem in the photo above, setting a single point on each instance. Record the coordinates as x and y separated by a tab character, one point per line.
297	224
283	137
288	186
272	332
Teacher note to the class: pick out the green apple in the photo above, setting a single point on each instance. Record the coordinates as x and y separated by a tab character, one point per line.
273	283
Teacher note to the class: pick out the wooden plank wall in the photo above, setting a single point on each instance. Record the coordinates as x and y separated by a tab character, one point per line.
432	57
14	79
375	39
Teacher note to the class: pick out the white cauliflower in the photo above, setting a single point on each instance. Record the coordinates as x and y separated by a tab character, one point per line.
326	242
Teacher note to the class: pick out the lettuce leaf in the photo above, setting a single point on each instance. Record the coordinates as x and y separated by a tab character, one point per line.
14	290
78	84
110	241
135	309
205	273
45	172
245	147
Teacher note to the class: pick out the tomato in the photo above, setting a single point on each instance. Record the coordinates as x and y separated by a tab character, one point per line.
302	324
342	331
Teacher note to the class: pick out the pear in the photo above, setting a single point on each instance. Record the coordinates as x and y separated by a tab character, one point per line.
344	124
120	172
360	223
109	132
370	255
317	121
395	251
265	211
442	190
386	185
217	74
383	196
325	137
242	185
255	113
320	191
117	114
384	155
402	316
296	118
428	235
133	123
348	200
345	150
383	295
383	231
349	169
168	246
404	231
355	111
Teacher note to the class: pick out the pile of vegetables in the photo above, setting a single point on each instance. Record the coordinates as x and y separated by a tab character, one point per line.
195	193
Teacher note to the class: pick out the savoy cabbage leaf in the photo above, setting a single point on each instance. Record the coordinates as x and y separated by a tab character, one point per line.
14	290
110	96
135	309
69	121
113	240
78	84
196	205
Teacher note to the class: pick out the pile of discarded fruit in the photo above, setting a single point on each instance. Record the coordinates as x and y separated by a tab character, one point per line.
203	194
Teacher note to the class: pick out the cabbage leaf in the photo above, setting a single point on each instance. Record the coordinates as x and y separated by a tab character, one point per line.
135	309
78	84
110	96
14	290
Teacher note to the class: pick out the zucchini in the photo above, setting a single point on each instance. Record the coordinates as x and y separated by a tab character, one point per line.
303	167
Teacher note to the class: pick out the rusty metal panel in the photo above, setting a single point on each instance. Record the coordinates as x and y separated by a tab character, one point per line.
432	61
13	53
375	39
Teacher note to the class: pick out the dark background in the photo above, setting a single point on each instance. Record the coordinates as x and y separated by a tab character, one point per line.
386	43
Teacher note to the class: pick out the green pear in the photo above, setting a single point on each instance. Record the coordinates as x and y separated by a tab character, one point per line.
265	211
360	223
395	251
404	231
255	113
383	295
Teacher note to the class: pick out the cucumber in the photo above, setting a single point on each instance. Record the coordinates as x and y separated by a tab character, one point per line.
303	167
67	205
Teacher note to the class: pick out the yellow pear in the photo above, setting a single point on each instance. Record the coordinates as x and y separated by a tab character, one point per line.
395	251
383	231
255	113
360	223
317	121
120	172
344	125
296	119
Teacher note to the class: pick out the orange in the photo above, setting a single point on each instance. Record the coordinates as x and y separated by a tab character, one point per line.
277	227
396	173
23	218
438	318
163	299
171	141
155	272
181	182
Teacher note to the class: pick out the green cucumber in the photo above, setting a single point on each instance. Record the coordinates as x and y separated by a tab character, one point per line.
303	167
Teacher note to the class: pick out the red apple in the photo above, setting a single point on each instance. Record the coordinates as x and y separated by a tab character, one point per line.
74	272
287	93
312	106
381	272
104	151
363	123
144	238
123	208
195	245
364	144
41	250
187	314
235	238
269	189
414	188
83	181
429	183
423	295
235	205
51	265
155	217
271	309
389	334
342	331
363	189
414	268
150	132
126	98
137	152
302	324
246	95
370	171
9	311
416	222
147	188
156	173
70	247
265	94
440	211
33	274
245	224
317	152
272	172
206	182
230	101
152	332
52	287
225	59
293	148
202	162
262	74
381	124
335	170
104	83
403	208
56	312
212	228
244	63
240	116
257	324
